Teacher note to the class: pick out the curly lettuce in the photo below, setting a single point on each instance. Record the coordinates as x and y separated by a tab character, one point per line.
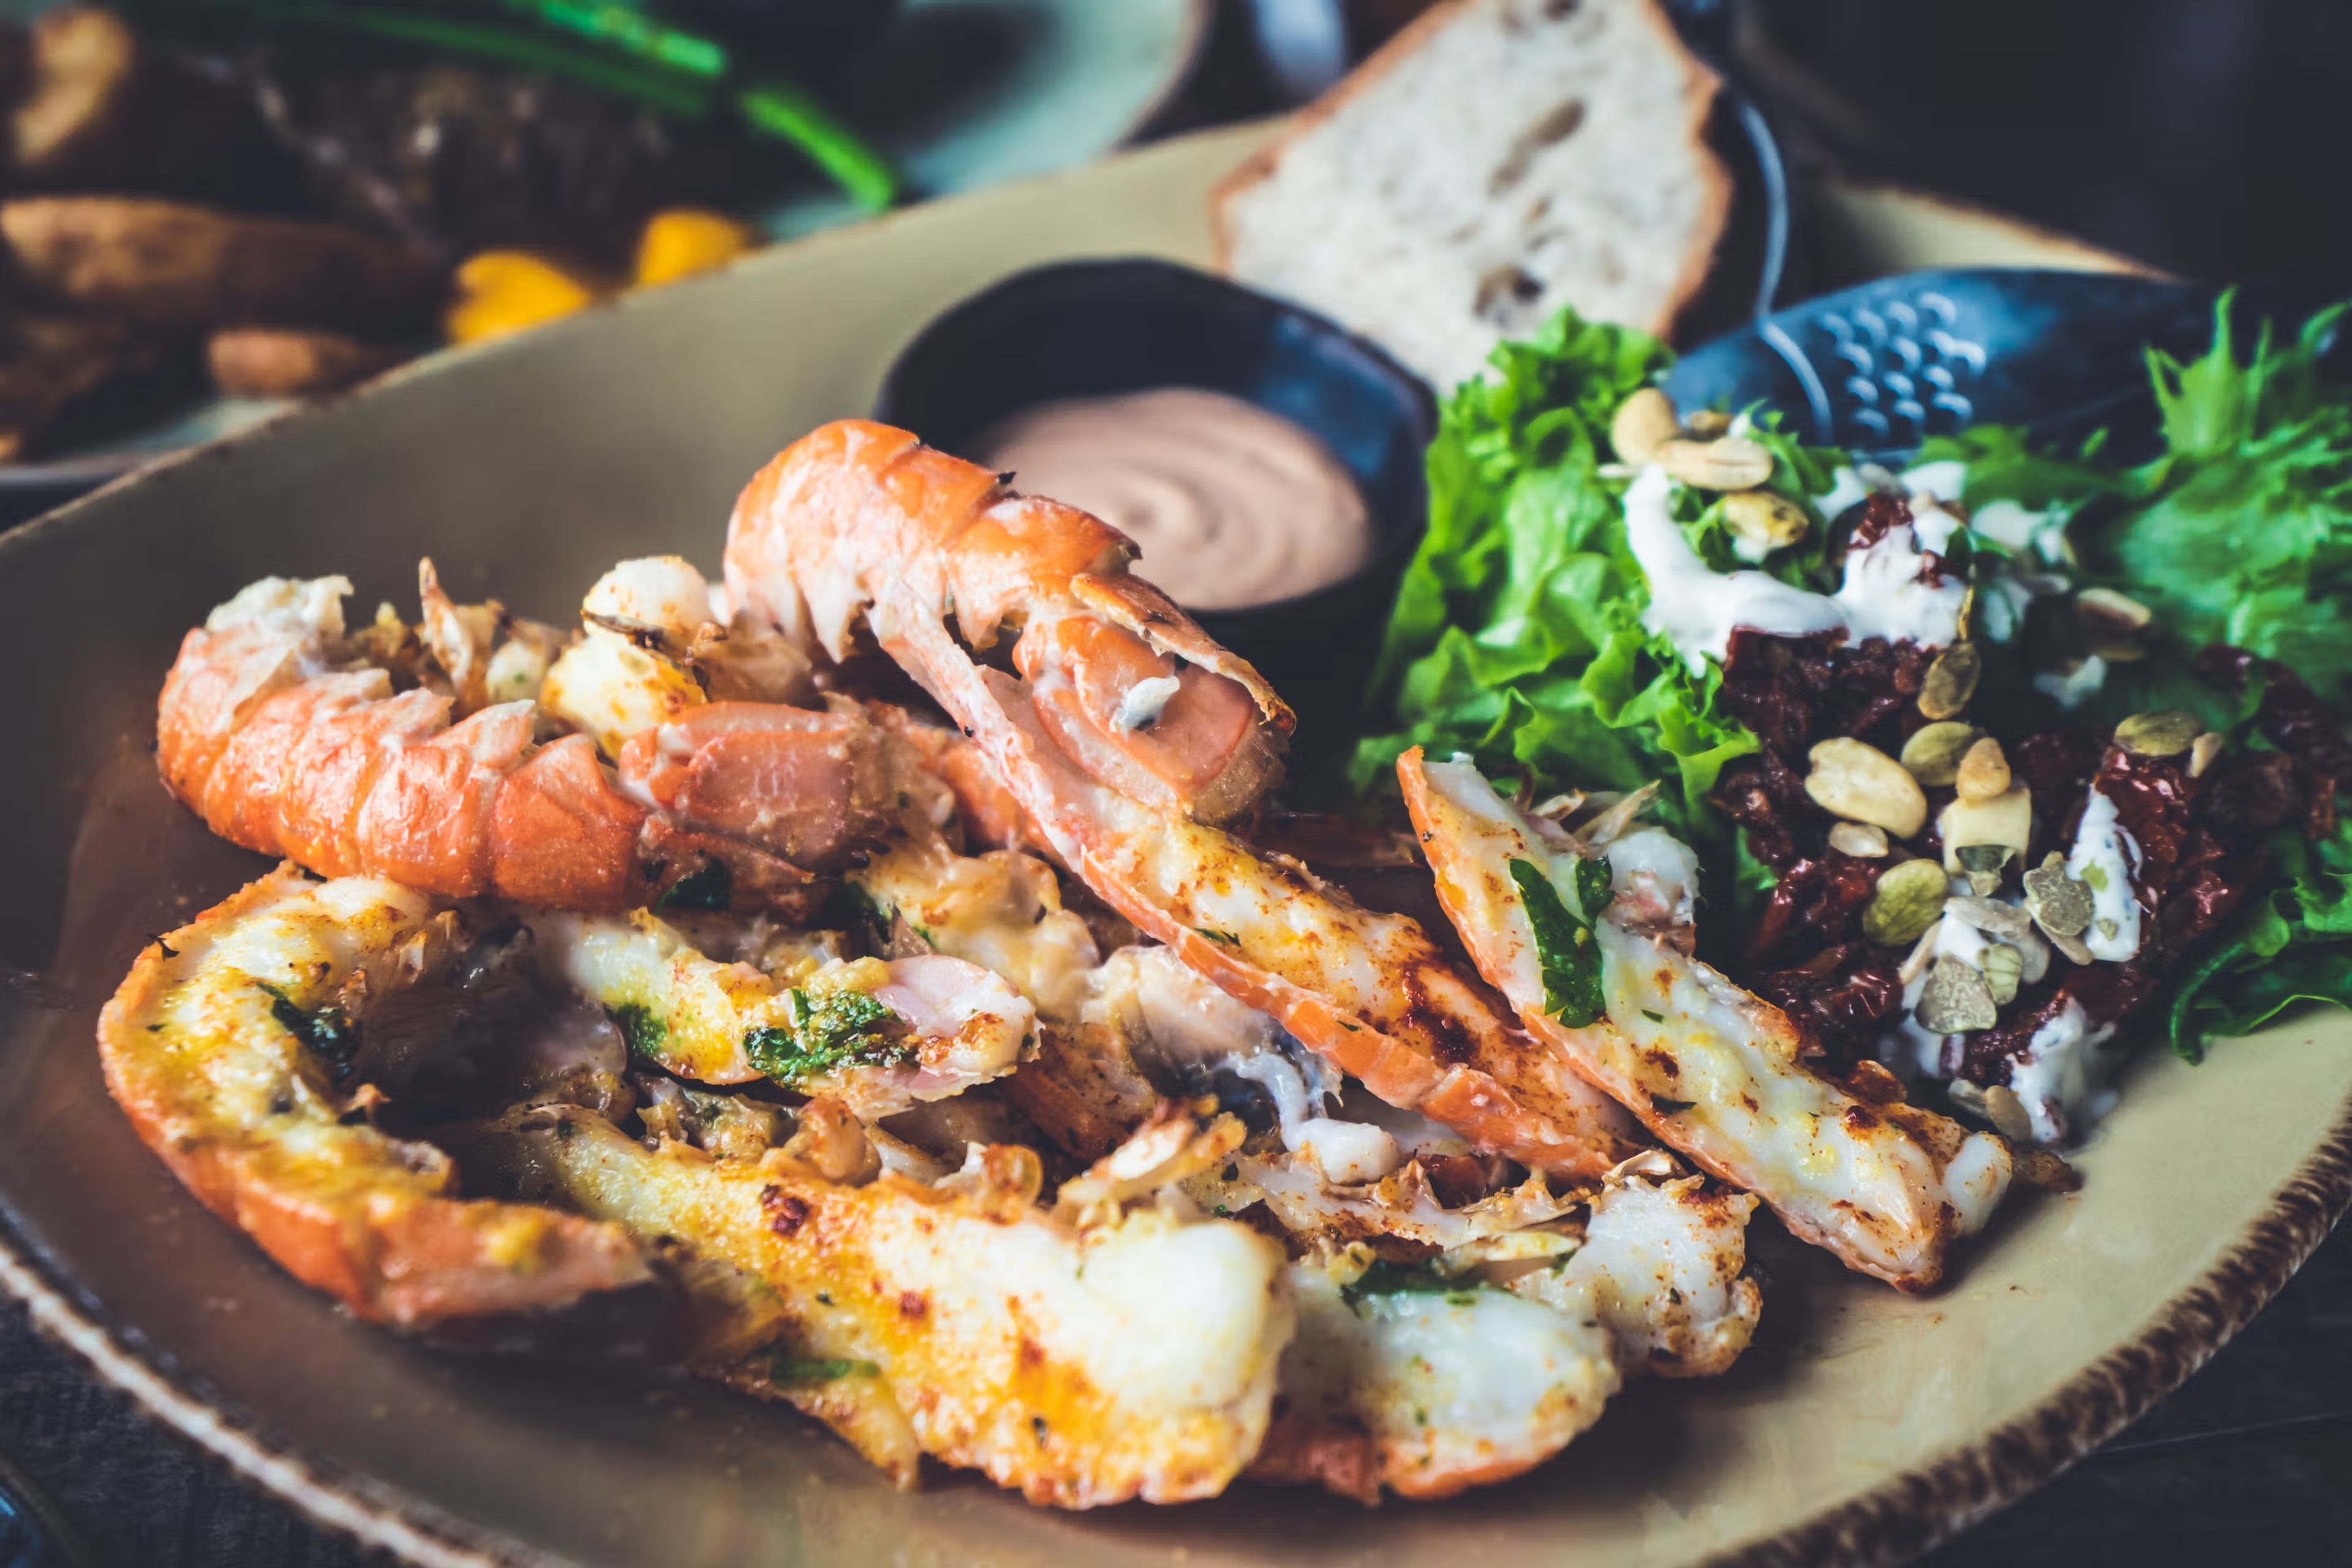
1517	635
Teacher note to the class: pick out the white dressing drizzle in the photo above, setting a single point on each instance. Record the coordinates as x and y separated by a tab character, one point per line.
1696	608
2059	1078
2106	856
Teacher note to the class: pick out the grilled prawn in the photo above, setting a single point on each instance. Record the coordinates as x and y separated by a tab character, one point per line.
1712	1070
418	756
222	1045
1128	734
1084	1359
1490	1362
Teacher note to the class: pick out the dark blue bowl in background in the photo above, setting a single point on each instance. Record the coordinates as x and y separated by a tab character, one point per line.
1092	329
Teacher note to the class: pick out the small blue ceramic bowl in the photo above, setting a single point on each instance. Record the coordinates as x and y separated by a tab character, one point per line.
1092	329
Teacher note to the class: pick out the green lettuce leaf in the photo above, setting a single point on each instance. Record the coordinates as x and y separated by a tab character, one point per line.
2240	530
1517	637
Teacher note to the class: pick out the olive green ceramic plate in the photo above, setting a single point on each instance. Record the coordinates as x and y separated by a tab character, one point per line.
1861	1426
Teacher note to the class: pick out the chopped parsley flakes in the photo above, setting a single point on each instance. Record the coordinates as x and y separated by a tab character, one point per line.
841	1028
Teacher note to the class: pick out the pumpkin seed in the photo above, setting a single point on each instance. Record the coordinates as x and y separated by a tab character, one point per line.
2007	1114
1707	423
1983	773
1859	839
1728	463
1645	422
2117	614
2061	905
2167	732
1984	865
2004	823
1862	784
1933	752
2076	950
1922	953
1763	522
2201	755
1955	1000
2004	966
1991	917
1951	681
1968	1097
1909	898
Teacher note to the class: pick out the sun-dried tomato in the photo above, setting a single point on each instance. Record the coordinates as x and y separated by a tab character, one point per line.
1840	998
1767	799
2250	794
1793	691
2153	796
1818	902
2290	714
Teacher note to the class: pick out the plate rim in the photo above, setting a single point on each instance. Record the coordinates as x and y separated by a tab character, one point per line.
1896	1519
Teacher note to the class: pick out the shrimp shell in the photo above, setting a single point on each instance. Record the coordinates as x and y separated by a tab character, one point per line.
196	1052
283	746
860	523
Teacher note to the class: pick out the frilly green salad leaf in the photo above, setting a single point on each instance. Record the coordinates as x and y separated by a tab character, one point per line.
1518	637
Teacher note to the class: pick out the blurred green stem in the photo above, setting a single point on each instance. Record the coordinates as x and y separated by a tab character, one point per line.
779	108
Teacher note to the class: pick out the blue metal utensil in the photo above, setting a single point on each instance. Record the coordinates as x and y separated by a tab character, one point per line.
1881	367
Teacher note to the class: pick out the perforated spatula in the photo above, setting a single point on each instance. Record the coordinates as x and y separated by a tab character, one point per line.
1880	367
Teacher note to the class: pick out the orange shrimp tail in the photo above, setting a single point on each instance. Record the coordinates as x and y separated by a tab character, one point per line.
860	523
329	767
338	773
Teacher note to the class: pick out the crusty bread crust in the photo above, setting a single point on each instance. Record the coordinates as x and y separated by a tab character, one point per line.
1700	88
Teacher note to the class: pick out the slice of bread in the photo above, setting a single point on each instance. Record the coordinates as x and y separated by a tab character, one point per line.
1498	159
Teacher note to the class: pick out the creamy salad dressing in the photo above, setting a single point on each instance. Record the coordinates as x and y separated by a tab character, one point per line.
1696	608
1230	505
2061	1078
2075	687
2106	856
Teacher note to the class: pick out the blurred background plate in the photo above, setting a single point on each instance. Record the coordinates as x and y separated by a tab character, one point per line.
965	93
960	93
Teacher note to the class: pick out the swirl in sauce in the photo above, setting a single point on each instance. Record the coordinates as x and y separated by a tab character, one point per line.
1231	506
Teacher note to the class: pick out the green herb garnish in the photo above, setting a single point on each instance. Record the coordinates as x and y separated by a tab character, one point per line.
640	1026
708	888
329	1030
1386	1278
802	1372
838	1029
1565	945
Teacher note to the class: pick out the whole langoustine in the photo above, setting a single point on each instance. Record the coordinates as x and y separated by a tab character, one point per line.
1128	735
290	738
